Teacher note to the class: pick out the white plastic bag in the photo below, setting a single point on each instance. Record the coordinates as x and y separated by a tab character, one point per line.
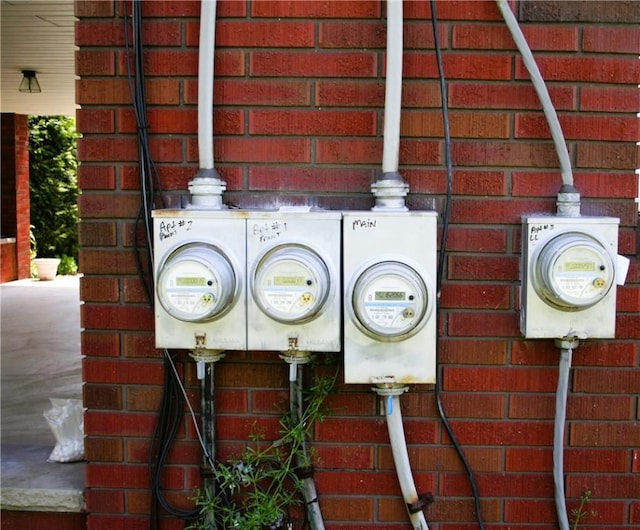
65	418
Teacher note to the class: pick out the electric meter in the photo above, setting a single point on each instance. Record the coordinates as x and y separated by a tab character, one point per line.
569	277
196	283
389	268
573	271
293	264
390	300
291	283
200	286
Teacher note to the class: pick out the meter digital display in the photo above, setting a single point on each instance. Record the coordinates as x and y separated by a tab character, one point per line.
291	283
196	283
573	271
390	300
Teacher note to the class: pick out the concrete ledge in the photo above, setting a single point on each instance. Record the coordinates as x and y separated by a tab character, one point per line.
31	483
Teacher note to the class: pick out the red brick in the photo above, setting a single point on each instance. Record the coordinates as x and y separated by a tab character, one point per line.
97	396
95	121
605	434
317	122
476	352
507	96
101	206
100	449
118	424
459	66
175	8
95	63
607	156
100	344
498	153
483	268
90	33
116	476
109	501
609	408
345	482
611	39
308	64
308	178
94	8
107	262
115	371
463	125
96	177
530	511
257	92
585	69
613	381
345	456
99	234
143	399
498	484
270	150
262	375
488	37
611	128
609	99
484	324
353	34
605	486
493	379
547	184
466	239
466	10
315	9
107	148
476	296
347	509
139	346
265	34
99	289
117	317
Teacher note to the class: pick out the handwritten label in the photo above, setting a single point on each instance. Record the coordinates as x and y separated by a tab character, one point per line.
363	223
536	230
269	231
171	228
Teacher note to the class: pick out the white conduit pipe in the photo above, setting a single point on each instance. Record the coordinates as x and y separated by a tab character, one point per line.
205	82
541	90
558	437
393	88
401	459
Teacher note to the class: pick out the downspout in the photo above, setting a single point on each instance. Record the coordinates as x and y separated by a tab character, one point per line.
390	189
207	187
568	203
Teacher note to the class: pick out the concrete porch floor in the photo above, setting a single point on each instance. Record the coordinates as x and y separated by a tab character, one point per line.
39	359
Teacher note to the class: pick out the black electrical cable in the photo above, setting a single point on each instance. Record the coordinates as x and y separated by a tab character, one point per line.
169	420
442	262
148	175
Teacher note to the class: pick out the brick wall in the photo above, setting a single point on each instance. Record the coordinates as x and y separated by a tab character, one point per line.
299	94
16	258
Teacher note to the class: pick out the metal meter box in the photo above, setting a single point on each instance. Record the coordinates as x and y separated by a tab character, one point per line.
200	286
389	270
293	275
568	277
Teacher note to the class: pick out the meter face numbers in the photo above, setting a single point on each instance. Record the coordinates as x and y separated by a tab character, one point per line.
196	283
390	300
291	283
573	271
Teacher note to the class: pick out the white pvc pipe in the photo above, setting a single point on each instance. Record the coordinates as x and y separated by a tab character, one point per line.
401	459
541	90
393	88
205	83
558	437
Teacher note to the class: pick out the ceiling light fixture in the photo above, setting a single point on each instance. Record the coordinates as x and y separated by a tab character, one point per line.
29	82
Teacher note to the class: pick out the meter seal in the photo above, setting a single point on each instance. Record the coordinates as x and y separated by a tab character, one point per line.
291	283
573	271
390	301
196	283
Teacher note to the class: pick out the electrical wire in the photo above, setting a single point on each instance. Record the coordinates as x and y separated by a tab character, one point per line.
148	175
169	419
442	263
558	437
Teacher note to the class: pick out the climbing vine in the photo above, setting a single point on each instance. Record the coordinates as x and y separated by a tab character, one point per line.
260	488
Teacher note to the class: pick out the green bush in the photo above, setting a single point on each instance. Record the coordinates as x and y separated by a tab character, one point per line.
53	168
